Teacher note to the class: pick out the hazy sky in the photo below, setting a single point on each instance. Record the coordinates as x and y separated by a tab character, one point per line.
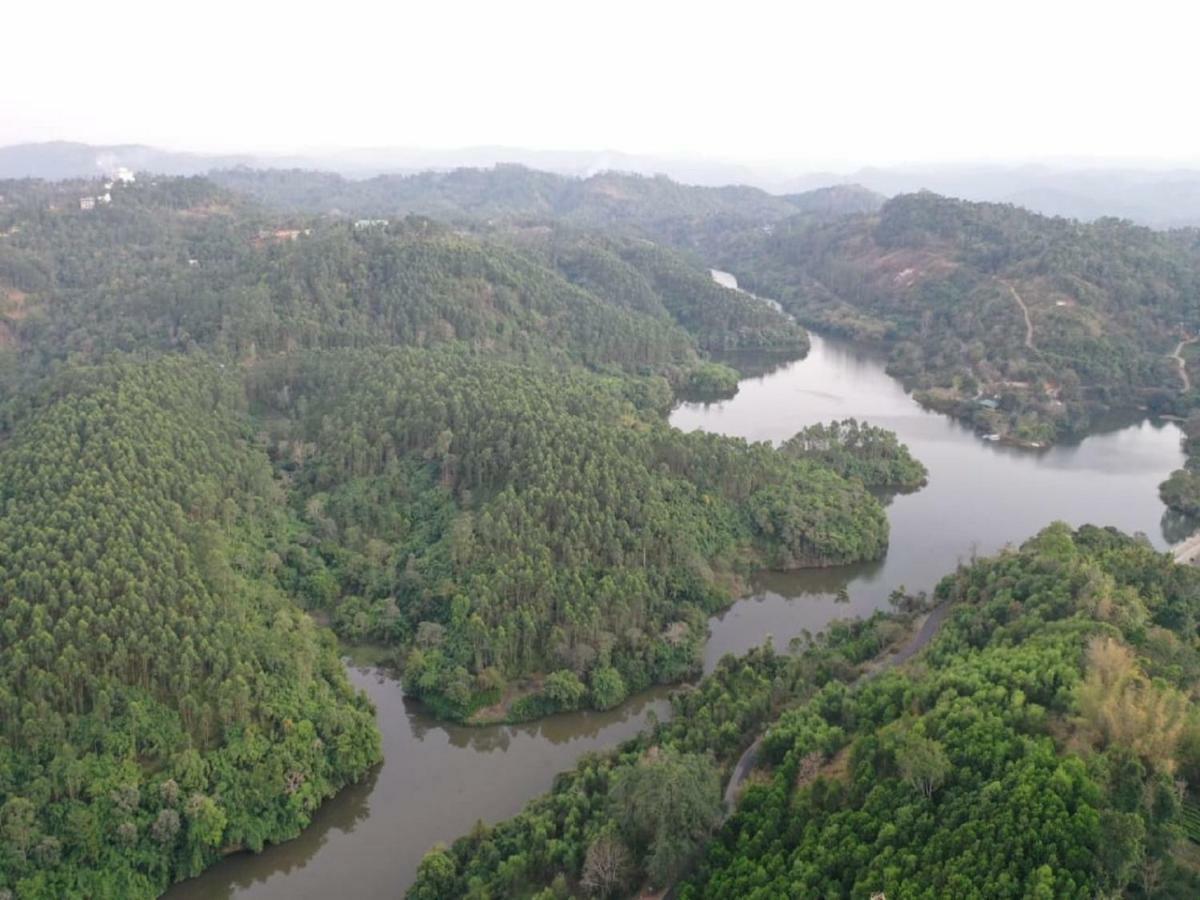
835	83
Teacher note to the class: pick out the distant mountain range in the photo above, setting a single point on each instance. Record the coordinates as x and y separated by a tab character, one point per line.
1161	198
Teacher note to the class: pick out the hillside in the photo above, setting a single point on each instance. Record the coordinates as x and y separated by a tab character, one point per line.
1027	326
498	522
216	419
652	279
182	265
161	701
506	192
1034	749
1024	325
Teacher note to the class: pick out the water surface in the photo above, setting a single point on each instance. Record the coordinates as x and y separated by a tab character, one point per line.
981	495
438	780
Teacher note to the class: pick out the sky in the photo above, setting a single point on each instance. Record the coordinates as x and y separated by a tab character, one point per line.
826	84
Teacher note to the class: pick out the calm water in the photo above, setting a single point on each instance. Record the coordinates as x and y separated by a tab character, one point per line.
435	783
980	496
438	780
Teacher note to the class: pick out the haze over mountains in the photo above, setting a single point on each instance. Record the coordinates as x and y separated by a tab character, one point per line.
1160	197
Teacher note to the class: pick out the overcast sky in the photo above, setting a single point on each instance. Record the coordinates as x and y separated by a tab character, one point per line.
827	84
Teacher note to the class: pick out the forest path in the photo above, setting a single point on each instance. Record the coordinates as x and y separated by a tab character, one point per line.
1177	355
1024	311
925	633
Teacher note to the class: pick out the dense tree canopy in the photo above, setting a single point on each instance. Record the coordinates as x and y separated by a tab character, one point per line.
855	449
1039	748
508	519
1025	325
160	699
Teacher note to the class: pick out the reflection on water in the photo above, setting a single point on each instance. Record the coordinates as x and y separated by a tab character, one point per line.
435	782
980	497
438	780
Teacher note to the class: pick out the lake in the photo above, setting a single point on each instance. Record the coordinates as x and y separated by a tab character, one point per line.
437	780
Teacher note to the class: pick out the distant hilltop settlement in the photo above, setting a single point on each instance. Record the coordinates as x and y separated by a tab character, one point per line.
121	176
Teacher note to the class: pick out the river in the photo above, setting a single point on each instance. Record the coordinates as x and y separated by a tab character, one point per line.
437	780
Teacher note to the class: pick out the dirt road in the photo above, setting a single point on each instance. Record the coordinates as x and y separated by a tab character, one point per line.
1024	311
1177	355
925	633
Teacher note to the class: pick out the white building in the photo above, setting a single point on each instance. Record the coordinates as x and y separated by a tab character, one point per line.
87	202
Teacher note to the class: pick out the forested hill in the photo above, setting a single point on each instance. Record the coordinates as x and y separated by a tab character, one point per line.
988	305
651	279
161	700
506	520
1025	325
1045	745
182	265
216	419
515	192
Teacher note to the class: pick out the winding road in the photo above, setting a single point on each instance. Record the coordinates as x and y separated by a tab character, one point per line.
929	627
1024	311
1177	355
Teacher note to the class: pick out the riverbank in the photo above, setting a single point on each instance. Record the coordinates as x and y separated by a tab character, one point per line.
980	497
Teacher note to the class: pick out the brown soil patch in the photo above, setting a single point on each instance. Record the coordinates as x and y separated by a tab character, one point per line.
13	305
838	768
498	711
904	268
206	211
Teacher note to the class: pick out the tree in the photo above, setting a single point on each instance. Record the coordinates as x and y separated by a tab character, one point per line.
922	762
669	802
607	866
19	821
608	688
435	876
565	689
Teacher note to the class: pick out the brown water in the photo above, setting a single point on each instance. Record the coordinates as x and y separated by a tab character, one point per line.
980	497
437	780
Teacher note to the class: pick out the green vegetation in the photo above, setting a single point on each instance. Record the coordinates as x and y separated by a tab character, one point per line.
857	450
1038	748
649	278
451	441
454	441
594	834
606	200
160	700
1181	491
946	286
1035	754
506	520
1023	325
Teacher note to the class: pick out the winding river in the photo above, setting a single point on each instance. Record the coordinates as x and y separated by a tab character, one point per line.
438	780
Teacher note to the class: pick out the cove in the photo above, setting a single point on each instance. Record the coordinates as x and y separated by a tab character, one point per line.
438	780
981	495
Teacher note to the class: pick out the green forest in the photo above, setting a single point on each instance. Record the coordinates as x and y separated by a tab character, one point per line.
222	428
245	418
1040	747
509	520
859	451
161	700
1026	326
